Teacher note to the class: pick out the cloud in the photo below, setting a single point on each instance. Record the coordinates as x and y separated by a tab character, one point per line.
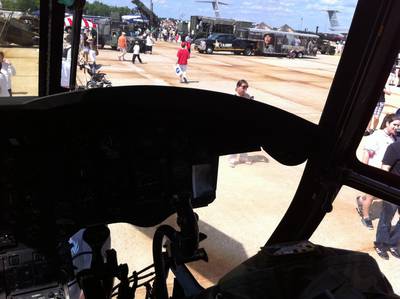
330	1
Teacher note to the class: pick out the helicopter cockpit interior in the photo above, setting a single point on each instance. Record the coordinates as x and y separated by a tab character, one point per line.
72	159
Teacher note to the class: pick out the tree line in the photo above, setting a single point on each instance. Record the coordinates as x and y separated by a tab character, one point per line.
95	9
21	5
100	9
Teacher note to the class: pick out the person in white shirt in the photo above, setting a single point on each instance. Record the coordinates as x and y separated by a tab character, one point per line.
136	52
7	70
149	44
3	85
93	52
66	67
374	150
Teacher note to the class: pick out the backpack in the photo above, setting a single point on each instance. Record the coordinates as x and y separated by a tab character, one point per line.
305	271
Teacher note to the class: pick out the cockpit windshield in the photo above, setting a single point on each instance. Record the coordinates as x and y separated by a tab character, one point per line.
221	104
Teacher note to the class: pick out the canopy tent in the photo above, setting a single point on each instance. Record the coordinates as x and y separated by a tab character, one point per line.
68	21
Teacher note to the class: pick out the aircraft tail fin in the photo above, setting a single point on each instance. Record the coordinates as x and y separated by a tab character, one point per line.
333	20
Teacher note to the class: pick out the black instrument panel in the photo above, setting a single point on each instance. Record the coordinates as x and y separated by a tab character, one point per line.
124	154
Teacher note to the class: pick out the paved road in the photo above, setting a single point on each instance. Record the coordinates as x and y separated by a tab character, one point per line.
276	81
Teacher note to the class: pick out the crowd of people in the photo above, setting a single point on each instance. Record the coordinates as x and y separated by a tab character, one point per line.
381	149
87	46
88	52
123	47
168	31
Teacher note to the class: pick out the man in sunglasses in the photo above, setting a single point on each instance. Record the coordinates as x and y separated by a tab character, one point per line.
241	89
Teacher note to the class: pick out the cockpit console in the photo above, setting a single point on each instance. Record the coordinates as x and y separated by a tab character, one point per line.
129	154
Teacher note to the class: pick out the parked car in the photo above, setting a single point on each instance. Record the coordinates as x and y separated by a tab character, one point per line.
197	41
226	42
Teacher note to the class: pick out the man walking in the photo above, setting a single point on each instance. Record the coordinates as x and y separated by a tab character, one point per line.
149	44
183	56
136	52
388	239
122	46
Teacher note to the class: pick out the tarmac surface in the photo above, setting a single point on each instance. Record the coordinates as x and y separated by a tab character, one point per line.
251	199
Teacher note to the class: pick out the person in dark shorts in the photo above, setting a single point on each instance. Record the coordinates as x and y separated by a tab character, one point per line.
377	112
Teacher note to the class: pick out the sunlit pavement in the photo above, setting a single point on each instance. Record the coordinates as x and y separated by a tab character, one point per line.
251	199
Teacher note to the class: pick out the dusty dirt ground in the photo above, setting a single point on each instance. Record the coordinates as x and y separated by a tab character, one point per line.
251	199
26	63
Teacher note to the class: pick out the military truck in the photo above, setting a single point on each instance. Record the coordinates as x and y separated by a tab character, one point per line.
326	46
201	26
22	30
131	38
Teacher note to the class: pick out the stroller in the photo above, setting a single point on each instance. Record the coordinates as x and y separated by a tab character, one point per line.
97	78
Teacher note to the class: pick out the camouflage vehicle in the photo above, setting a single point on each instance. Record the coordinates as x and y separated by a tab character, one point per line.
131	38
22	30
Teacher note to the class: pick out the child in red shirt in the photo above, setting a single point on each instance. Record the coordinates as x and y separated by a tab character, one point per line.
183	56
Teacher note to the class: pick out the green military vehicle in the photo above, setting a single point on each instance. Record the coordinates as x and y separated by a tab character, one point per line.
131	38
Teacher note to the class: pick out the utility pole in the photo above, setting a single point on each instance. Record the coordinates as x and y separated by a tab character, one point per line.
151	17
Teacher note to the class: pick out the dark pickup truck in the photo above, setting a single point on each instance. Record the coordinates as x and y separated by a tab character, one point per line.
226	42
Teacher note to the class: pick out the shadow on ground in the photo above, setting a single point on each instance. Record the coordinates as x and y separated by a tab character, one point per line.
258	158
224	253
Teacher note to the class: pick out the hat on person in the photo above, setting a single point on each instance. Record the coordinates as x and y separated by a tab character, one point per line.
183	44
123	33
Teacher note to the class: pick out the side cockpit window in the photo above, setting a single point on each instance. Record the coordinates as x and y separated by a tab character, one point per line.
19	48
